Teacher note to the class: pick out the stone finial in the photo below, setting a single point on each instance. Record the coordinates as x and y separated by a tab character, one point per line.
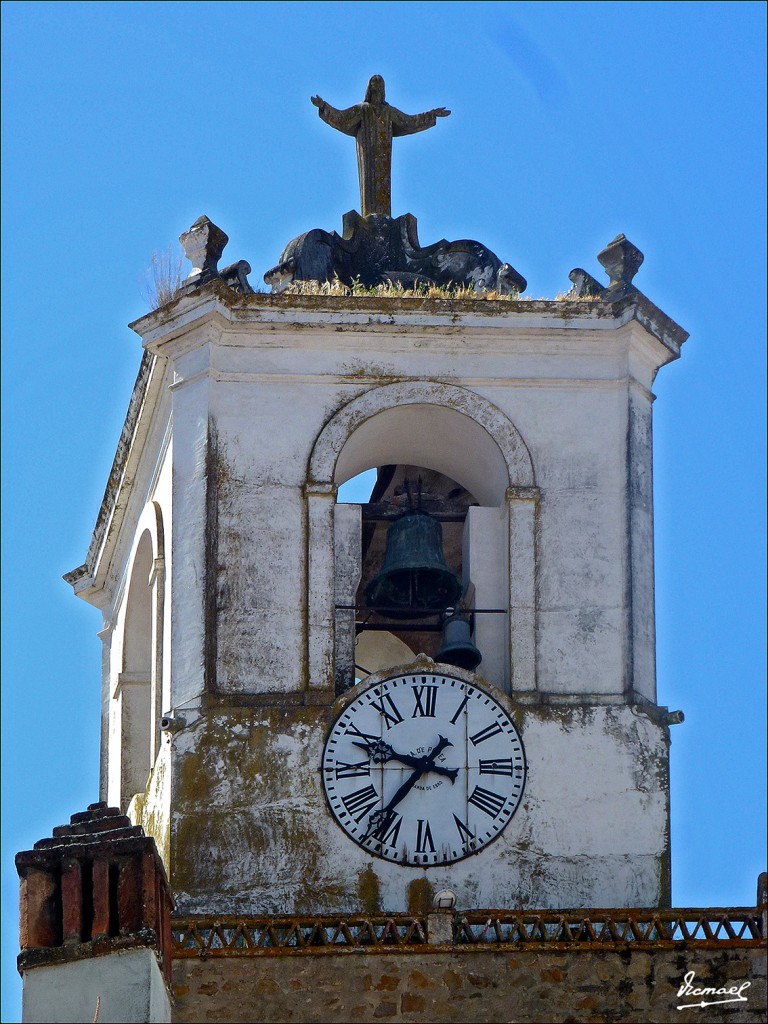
621	260
203	244
97	886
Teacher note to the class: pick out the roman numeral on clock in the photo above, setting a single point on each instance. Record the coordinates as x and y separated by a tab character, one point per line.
389	829
387	707
459	709
352	730
424	841
351	771
485	734
465	832
487	801
426	699
497	766
359	803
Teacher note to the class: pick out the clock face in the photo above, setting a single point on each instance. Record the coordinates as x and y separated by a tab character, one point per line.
423	769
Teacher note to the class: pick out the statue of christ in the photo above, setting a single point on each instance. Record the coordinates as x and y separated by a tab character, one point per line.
374	123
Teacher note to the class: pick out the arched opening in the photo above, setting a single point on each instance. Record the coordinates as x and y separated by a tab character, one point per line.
134	694
439	439
469	453
385	497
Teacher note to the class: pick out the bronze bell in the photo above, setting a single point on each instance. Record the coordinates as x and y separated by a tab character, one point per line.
414	578
457	647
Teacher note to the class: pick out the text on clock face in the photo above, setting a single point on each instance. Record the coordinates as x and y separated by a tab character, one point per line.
423	769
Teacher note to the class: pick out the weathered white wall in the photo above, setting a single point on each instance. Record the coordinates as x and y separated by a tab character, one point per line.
253	832
128	986
248	408
265	426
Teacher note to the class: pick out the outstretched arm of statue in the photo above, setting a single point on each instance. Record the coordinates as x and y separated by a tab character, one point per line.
347	121
409	124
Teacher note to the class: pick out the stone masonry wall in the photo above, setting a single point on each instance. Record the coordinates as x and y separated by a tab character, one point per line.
481	984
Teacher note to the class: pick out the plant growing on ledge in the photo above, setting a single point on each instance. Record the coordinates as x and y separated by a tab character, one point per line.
163	277
394	290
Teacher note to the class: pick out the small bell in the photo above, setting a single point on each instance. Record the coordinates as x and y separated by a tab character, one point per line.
414	578
457	647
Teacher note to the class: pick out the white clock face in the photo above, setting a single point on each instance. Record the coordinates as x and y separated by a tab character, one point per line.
423	769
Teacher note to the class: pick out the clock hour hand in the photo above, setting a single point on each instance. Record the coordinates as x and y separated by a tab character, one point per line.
380	752
442	743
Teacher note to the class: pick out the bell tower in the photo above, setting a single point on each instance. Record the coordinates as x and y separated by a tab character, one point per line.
318	705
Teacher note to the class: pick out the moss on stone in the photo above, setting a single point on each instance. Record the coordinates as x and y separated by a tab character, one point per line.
420	896
369	890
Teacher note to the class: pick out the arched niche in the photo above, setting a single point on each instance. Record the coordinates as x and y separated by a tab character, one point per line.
138	693
455	432
444	427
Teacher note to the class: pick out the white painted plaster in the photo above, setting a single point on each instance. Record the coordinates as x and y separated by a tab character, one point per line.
128	986
485	560
190	451
347	542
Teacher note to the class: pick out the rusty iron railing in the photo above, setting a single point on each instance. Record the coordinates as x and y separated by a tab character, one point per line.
235	936
711	928
715	928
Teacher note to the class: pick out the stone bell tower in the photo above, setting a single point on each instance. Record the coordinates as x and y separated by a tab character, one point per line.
236	588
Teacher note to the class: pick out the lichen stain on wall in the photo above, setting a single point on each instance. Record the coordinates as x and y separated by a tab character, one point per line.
369	890
245	816
421	894
251	830
151	810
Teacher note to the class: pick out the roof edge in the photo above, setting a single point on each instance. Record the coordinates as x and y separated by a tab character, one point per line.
82	578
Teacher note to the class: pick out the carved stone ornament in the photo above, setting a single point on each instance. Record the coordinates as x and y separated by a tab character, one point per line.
621	260
376	248
203	245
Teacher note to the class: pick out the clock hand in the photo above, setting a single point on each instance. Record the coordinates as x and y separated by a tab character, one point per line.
381	752
442	743
379	819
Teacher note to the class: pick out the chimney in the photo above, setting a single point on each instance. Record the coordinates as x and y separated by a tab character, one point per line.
95	909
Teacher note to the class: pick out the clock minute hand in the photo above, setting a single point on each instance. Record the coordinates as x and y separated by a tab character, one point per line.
379	820
405	789
423	764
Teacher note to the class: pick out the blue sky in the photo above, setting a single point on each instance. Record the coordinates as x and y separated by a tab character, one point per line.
571	122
